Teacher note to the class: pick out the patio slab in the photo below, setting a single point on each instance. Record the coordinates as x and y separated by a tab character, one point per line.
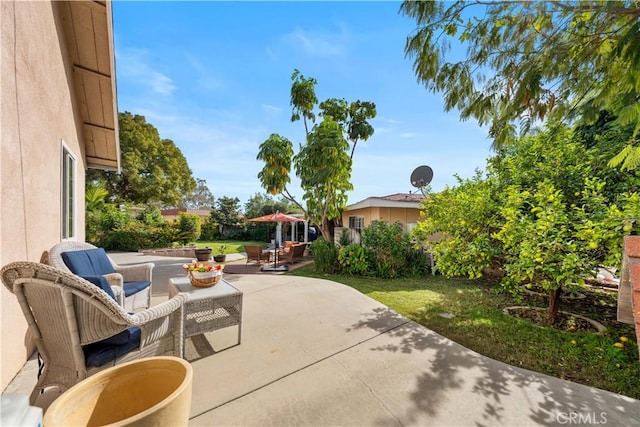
317	353
367	365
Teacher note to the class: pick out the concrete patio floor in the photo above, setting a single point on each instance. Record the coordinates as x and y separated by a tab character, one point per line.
318	353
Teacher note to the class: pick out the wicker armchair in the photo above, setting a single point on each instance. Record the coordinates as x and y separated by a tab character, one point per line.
255	253
123	274
80	330
295	253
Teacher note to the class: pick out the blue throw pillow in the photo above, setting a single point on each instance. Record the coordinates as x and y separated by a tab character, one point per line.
88	262
102	283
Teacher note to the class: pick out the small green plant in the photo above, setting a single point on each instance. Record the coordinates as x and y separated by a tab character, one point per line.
353	259
345	238
325	256
222	249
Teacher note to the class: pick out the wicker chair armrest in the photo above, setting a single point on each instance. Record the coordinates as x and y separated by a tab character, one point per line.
159	311
114	279
161	320
118	292
137	272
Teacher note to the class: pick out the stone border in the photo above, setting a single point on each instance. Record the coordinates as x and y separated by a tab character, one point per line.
183	252
600	328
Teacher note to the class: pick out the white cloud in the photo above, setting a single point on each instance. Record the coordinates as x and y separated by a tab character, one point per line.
161	83
133	64
205	77
271	109
324	43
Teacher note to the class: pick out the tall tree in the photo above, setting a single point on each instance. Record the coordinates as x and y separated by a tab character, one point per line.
264	204
323	162
527	61
201	196
226	213
153	169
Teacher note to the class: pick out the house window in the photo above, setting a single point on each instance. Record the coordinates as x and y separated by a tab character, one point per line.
68	194
356	222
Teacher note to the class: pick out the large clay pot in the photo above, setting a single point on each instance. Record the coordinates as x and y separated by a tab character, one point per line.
203	254
155	391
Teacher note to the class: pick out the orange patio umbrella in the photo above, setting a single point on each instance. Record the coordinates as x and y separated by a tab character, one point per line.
276	217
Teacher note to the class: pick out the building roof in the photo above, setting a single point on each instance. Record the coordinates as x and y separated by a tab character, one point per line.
88	32
398	200
178	211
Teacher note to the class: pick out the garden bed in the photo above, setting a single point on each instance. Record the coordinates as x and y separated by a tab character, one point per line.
568	322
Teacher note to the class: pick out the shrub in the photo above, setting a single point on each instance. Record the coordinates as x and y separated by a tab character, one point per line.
137	235
388	245
209	230
345	238
417	263
188	228
150	215
325	256
354	259
114	218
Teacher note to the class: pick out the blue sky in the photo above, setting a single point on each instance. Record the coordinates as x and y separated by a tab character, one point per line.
215	77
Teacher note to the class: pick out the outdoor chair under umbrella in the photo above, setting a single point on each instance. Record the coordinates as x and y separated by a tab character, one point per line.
276	217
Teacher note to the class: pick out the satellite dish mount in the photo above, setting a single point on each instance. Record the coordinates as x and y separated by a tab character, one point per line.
421	177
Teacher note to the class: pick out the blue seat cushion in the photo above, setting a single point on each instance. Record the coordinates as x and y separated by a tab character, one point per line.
102	352
88	262
131	288
102	283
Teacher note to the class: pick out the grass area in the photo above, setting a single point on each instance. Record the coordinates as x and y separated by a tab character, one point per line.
481	325
233	246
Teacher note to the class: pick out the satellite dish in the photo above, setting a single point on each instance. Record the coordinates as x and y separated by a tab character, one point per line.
421	176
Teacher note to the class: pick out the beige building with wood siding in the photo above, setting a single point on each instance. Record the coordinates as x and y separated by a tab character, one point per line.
59	117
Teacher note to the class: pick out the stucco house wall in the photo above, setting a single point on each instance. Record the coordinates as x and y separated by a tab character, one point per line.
393	208
40	114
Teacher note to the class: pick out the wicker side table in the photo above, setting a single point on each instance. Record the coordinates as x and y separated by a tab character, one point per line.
209	309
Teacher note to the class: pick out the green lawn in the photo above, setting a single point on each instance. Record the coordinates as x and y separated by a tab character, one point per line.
481	325
233	246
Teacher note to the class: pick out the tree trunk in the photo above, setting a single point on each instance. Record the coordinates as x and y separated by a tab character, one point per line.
554	305
326	230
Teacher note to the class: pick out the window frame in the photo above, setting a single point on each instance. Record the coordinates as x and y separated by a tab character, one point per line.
359	219
68	193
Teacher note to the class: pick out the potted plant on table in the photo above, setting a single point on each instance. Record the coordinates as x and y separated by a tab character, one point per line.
221	255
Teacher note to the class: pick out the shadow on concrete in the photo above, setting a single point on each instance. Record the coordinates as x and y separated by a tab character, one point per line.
451	367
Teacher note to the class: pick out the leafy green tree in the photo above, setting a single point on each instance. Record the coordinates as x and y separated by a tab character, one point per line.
527	61
94	196
324	168
150	215
153	169
541	214
201	196
226	213
323	162
264	204
188	228
458	224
